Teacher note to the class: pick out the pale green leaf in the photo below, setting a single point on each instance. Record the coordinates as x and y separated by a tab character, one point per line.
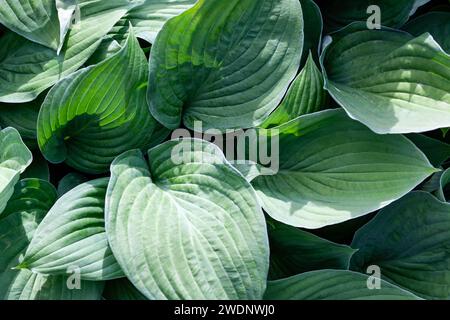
332	169
388	80
36	20
14	159
186	228
29	204
73	234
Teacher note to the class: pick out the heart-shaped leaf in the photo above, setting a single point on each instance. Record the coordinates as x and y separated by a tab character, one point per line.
225	63
187	225
388	80
97	113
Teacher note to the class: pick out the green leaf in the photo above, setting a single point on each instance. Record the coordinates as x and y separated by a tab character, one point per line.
73	234
435	23
332	285
436	151
148	18
121	289
97	113
313	28
14	159
225	63
188	227
22	117
444	181
37	169
70	181
332	169
36	20
294	251
27	68
305	95
410	242
393	13
28	206
388	80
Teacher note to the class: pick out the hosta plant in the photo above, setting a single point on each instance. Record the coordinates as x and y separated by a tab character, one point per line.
224	149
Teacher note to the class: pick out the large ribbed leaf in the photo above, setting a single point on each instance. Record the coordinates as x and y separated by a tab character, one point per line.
121	289
306	95
388	80
27	68
294	251
333	285
189	229
73	234
333	169
37	20
97	113
14	159
29	204
436	23
225	63
410	242
393	13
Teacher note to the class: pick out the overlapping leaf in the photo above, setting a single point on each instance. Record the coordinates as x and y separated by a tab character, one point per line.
388	80
27	68
97	113
332	169
410	242
187	225
73	234
333	285
37	20
305	95
436	23
225	63
14	159
294	251
30	203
